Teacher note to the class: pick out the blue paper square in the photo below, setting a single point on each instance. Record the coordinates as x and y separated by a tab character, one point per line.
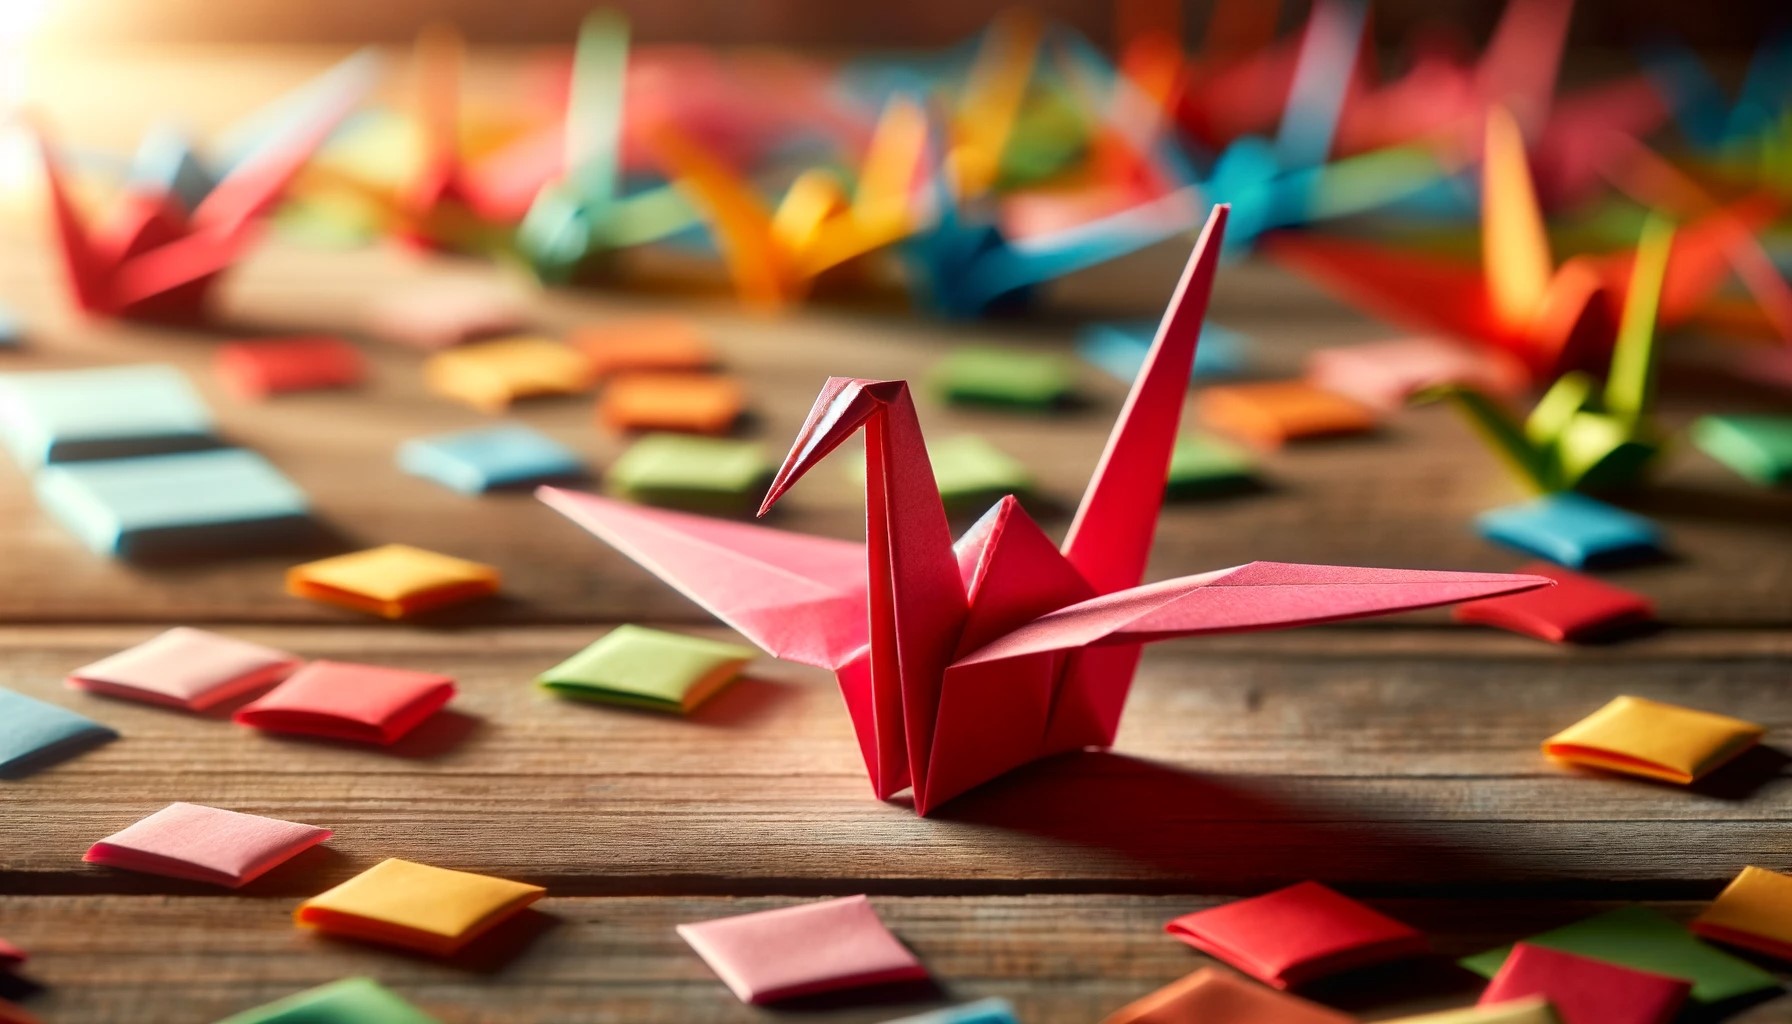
156	505
1573	530
12	328
983	1011
476	461
66	415
33	733
1118	348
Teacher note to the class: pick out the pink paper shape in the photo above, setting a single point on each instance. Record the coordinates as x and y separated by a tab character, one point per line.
186	668
205	844
345	701
11	955
959	663
1385	374
1586	991
802	950
1295	935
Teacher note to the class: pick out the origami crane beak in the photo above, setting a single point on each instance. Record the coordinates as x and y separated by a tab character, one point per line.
843	406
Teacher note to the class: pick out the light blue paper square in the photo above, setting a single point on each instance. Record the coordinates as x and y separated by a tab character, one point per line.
1118	348
155	505
115	412
983	1011
33	733
1573	530
476	461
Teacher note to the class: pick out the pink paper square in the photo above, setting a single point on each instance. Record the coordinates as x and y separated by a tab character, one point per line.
186	668
11	955
205	844
1384	374
802	950
1294	935
345	701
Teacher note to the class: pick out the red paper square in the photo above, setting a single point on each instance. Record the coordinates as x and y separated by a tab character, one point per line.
1297	934
257	369
1584	990
1575	608
11	955
344	701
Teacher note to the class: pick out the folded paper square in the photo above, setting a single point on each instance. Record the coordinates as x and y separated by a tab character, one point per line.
403	903
1202	465
1295	935
983	1011
1577	608
994	376
436	316
1573	530
185	668
12	329
1586	991
706	474
802	950
1754	911
695	403
1213	996
154	506
1118	349
1652	739
648	668
392	581
1645	940
274	366
33	733
480	460
1385	374
345	701
205	844
1272	413
11	956
349	1001
1530	1010
114	412
489	375
971	473
658	345
1756	447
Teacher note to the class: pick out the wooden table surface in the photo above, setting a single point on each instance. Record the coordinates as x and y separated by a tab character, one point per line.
1396	759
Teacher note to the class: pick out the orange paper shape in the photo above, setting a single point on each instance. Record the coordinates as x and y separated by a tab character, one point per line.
393	581
1213	996
685	402
1652	739
1272	413
416	906
666	344
490	375
1754	912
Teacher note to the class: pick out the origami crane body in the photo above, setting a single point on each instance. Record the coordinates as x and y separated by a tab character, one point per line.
960	663
153	257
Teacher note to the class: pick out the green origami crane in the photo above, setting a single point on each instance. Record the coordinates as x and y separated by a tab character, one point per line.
1579	436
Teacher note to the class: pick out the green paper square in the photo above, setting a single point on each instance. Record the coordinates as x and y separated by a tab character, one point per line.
1643	939
706	474
648	668
968	471
349	1001
1206	465
1756	447
994	376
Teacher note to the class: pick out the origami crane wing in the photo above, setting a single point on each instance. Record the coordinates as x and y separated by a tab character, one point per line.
801	598
1259	595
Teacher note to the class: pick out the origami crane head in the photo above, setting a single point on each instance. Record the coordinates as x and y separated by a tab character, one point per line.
959	663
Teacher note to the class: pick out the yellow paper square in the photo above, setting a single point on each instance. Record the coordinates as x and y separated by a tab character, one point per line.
393	580
1754	911
1530	1010
492	374
1652	739
418	906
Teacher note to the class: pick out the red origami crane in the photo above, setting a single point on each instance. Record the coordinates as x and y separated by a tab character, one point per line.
962	662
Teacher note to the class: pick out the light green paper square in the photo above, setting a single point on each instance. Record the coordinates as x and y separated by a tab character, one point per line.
1756	447
994	376
349	1001
1643	939
648	668
1205	465
967	469
707	474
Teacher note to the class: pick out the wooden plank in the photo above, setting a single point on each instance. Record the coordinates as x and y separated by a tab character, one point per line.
1366	758
149	960
1405	498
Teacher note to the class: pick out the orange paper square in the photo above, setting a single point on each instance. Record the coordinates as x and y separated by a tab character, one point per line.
690	403
1273	413
661	344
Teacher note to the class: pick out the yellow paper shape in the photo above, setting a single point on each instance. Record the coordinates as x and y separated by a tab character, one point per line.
392	581
1652	739
990	103
404	903
1515	249
1754	911
492	374
1530	1010
737	215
